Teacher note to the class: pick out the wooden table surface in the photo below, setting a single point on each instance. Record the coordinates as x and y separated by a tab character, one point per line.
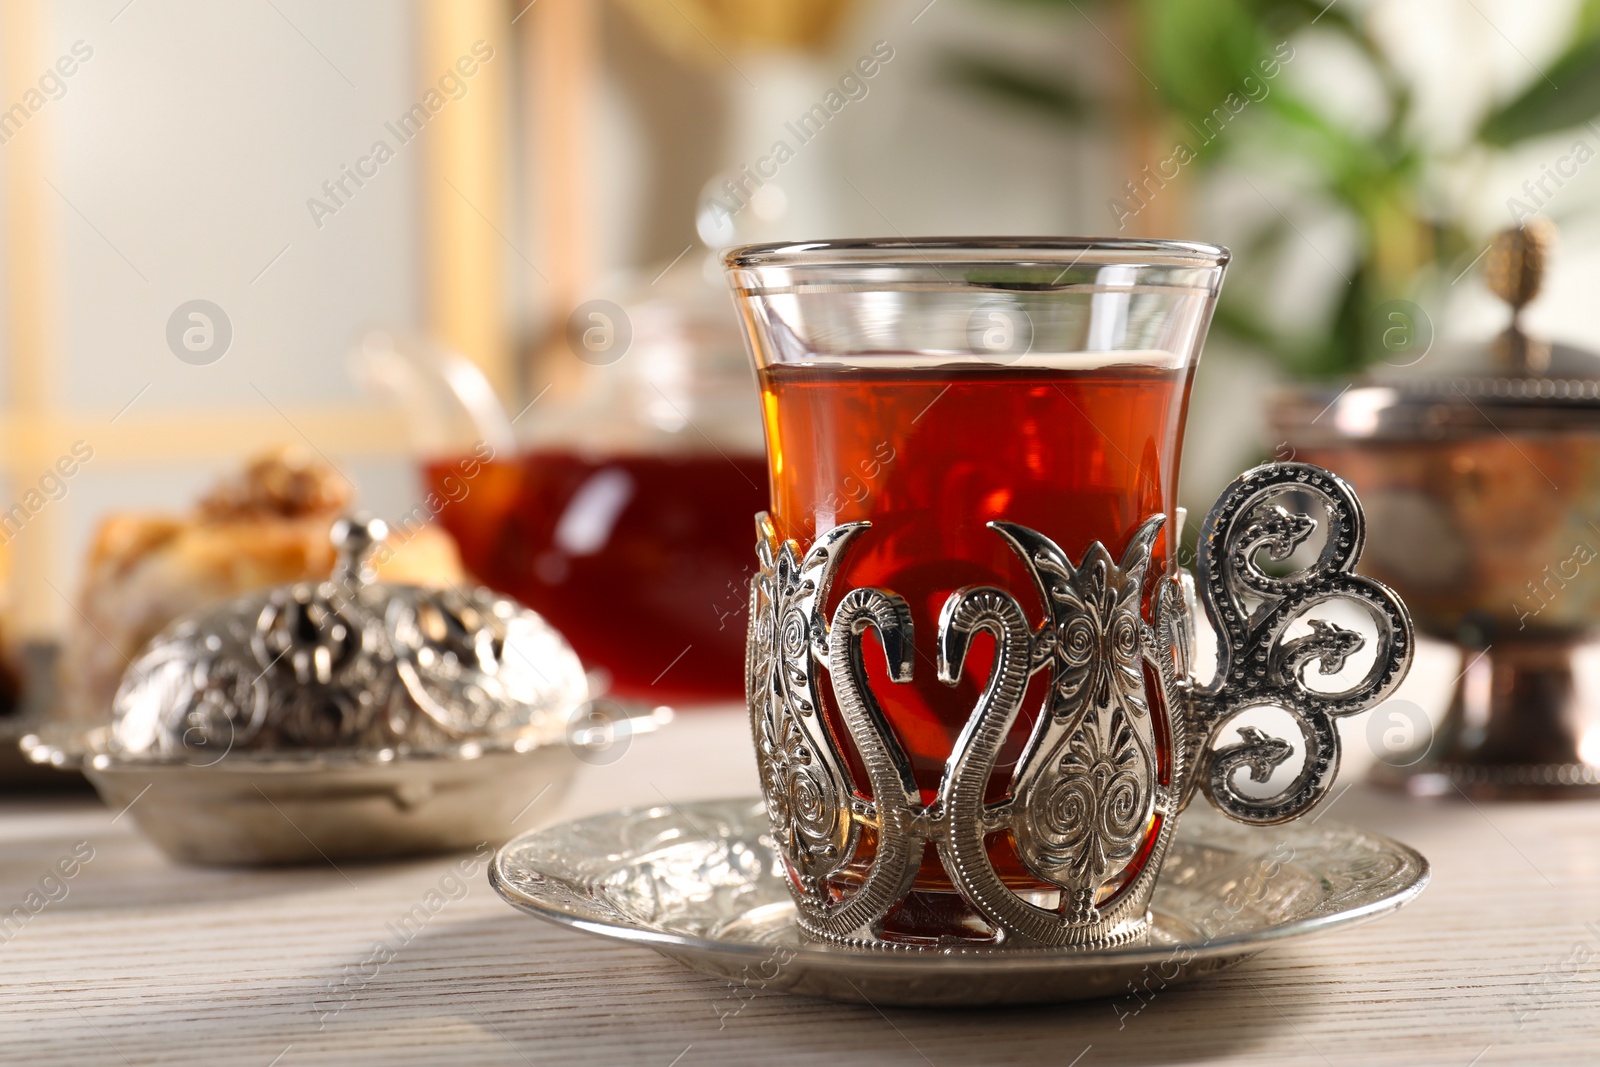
142	962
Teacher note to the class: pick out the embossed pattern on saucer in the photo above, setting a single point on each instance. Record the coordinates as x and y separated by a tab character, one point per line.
701	884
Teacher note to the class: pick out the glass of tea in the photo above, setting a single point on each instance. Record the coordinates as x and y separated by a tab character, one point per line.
968	668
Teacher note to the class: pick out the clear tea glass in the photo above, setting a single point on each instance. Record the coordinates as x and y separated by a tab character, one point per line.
976	444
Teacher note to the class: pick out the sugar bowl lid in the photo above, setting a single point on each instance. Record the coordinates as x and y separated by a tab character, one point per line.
1515	382
348	666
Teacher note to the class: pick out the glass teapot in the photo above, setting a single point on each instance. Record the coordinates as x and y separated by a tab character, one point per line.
616	502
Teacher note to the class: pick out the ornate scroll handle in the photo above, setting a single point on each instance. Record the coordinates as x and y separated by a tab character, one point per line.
894	789
1256	667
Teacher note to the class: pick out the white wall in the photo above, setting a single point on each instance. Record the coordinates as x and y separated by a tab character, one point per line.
182	154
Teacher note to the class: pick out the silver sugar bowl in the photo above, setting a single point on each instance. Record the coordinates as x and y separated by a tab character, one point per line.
343	719
1482	489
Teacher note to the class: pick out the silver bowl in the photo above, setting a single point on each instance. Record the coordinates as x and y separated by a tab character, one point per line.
344	719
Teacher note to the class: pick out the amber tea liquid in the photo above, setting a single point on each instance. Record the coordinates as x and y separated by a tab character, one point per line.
930	456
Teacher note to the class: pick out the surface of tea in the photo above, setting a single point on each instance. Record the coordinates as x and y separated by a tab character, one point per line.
642	562
929	456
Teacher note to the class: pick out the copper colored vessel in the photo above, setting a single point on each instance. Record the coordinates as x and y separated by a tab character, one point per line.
1482	493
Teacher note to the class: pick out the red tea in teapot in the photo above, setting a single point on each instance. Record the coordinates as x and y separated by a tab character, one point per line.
642	562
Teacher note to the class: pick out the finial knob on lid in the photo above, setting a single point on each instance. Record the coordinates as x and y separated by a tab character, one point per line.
1514	270
355	538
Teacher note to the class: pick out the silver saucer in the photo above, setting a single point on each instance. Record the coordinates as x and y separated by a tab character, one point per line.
701	884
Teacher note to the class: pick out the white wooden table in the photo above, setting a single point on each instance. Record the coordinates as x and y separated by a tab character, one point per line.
142	962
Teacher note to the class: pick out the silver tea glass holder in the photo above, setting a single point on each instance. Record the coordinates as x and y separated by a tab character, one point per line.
1094	801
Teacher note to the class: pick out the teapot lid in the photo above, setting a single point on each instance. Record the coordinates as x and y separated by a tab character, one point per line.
348	665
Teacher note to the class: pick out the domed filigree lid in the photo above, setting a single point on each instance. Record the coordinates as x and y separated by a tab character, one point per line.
348	665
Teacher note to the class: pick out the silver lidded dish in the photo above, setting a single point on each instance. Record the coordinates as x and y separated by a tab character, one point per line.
343	719
1481	481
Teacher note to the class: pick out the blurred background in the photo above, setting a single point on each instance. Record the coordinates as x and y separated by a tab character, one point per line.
233	227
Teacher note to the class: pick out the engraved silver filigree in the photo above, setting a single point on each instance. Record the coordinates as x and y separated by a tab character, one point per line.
1086	787
1122	737
816	814
348	664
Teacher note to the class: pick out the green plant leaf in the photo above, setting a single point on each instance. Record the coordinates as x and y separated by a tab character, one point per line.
1588	24
1566	95
1186	58
1042	95
1199	51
